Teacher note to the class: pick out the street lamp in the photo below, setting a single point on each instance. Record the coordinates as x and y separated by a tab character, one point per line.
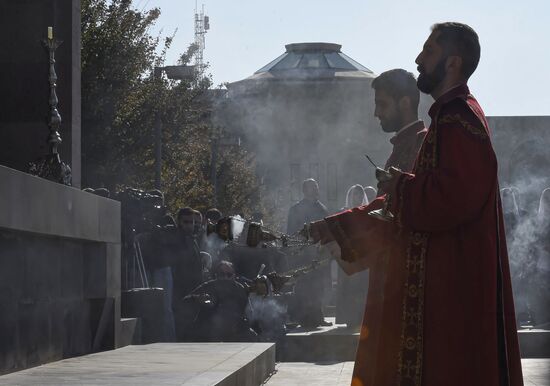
182	72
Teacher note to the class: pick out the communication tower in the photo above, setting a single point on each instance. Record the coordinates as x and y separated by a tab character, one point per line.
202	24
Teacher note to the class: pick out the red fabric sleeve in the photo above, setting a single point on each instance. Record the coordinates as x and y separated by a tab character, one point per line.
457	189
360	236
354	221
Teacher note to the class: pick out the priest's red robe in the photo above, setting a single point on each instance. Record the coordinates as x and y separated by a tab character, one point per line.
447	316
405	146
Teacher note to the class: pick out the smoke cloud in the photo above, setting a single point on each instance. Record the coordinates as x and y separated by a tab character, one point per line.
529	251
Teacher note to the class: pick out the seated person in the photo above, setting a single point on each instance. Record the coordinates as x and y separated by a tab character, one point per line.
215	310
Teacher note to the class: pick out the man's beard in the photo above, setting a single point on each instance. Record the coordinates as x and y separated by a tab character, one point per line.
391	125
426	83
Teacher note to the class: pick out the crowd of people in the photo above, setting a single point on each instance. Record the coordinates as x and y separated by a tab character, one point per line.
206	279
210	284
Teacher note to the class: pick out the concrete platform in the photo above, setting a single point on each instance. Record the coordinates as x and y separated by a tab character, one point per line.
536	372
196	364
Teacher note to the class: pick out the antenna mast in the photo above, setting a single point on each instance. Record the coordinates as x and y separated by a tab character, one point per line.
202	24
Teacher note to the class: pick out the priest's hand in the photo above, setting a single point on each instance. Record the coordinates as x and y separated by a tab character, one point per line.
319	231
389	186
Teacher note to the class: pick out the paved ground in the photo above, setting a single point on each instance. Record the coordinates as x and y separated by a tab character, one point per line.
536	372
318	374
192	364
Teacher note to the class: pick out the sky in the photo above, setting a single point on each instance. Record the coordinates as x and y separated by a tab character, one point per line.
513	77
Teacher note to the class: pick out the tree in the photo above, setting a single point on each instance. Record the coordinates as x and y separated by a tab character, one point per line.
120	99
117	55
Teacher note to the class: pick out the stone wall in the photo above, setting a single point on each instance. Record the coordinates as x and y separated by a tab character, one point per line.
59	271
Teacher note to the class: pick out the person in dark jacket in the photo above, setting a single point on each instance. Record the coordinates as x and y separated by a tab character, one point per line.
307	307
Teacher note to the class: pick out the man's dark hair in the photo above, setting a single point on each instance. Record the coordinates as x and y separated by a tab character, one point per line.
460	40
398	83
308	181
187	211
223	263
213	214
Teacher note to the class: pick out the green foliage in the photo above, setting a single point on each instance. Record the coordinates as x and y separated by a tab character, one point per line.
117	54
121	100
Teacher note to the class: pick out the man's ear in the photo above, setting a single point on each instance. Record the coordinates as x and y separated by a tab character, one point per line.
404	103
454	64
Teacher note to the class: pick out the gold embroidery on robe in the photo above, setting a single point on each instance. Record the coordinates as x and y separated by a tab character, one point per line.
479	132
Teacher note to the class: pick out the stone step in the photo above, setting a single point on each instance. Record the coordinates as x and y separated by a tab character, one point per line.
534	343
130	331
192	364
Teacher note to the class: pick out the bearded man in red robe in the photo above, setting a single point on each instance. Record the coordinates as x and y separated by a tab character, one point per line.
448	315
